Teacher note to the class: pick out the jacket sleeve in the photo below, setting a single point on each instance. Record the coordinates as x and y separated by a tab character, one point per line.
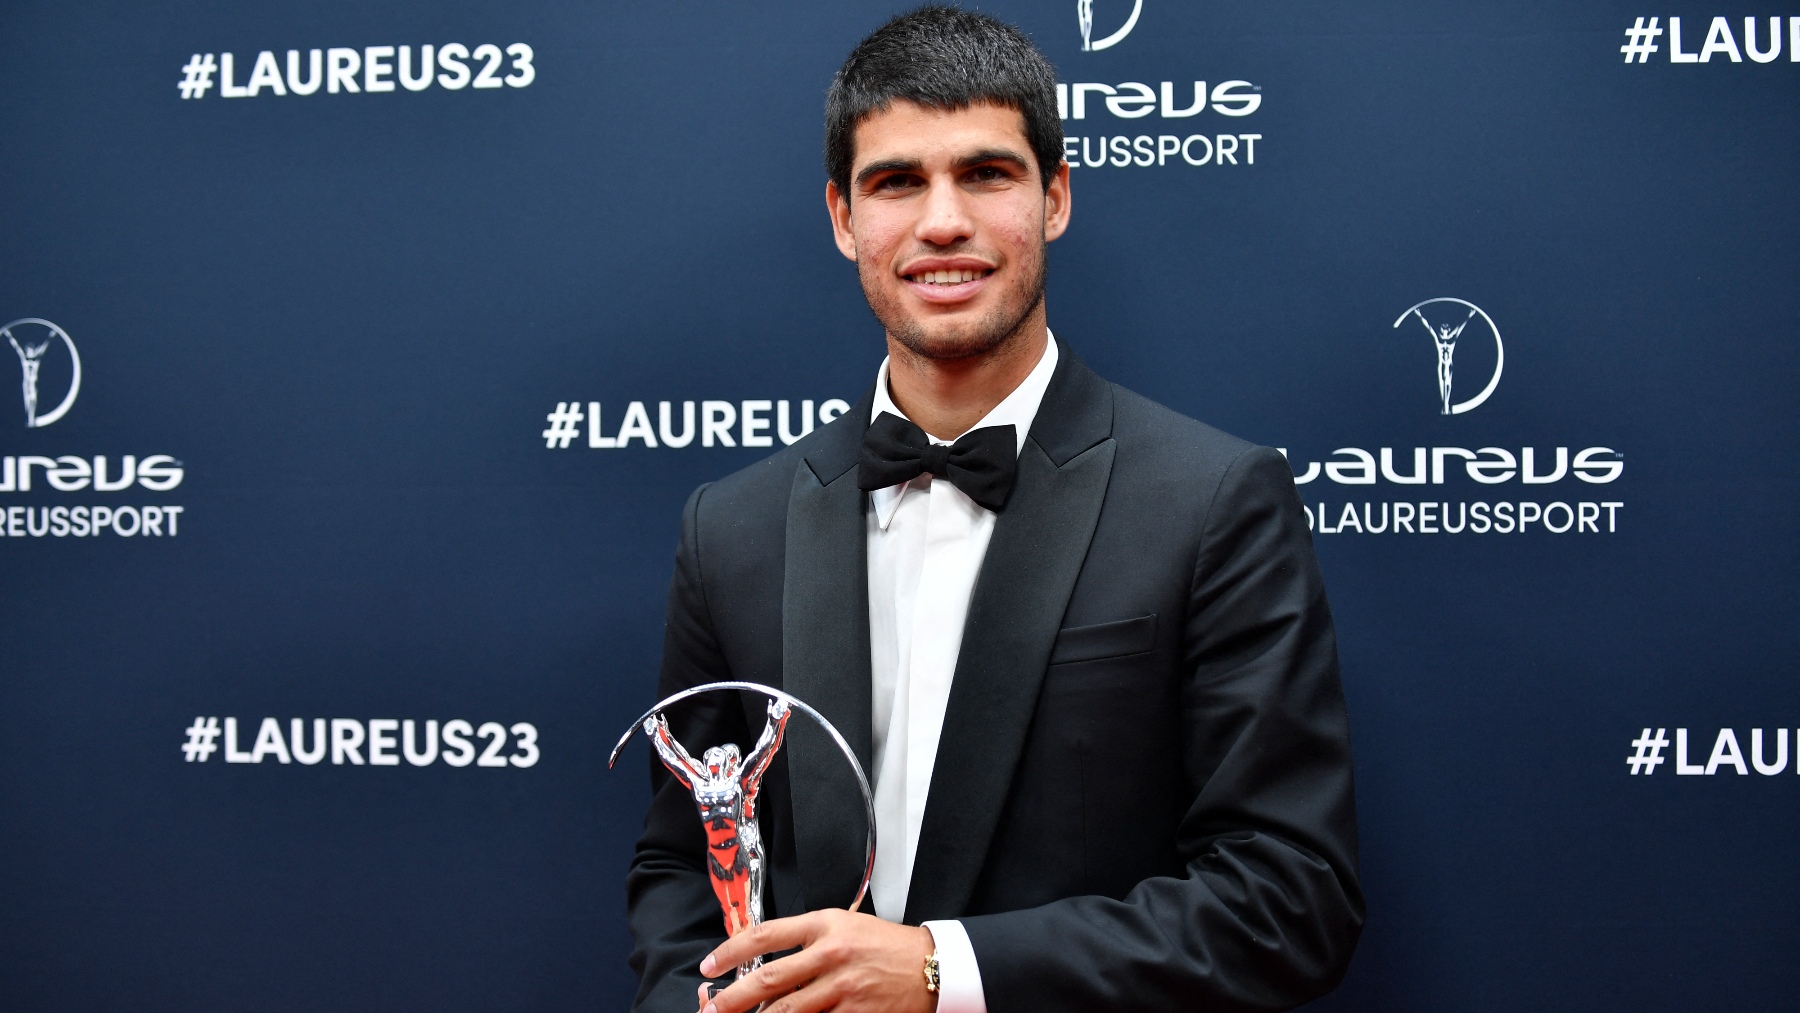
673	913
1268	909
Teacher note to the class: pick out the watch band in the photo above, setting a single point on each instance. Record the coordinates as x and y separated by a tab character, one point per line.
931	972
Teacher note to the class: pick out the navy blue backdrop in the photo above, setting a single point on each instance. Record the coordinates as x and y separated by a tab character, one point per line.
309	358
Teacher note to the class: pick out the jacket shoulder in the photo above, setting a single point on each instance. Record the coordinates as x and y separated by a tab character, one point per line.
1148	430
755	486
758	493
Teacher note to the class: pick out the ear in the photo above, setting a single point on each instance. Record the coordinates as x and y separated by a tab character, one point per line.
1056	204
838	206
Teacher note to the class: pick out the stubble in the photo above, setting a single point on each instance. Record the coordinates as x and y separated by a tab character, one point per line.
986	336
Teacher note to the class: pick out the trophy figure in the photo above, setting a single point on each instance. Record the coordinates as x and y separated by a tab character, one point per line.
1084	13
725	784
30	359
1444	337
725	789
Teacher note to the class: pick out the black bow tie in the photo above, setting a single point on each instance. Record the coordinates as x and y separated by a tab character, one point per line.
982	462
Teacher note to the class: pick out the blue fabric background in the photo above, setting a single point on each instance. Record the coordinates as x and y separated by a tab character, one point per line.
348	316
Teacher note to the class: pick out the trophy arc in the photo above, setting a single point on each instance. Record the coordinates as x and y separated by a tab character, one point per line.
862	780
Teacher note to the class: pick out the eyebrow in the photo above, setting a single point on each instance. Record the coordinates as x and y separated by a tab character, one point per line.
966	162
891	165
993	155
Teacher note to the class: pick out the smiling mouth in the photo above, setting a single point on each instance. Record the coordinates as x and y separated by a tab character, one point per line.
947	277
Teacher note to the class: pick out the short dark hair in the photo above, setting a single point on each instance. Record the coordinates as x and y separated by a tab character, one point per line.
944	58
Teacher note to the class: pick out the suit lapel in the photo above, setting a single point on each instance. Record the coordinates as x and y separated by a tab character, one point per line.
825	657
1039	543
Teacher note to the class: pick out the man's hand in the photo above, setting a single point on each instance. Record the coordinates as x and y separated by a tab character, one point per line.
850	963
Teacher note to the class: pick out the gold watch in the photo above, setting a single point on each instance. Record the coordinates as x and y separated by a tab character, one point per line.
931	972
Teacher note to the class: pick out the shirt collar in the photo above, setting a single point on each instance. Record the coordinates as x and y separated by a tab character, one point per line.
1018	410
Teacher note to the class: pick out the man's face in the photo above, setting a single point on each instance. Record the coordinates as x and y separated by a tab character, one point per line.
947	219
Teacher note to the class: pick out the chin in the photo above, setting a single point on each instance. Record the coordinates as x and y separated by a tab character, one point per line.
948	342
973	333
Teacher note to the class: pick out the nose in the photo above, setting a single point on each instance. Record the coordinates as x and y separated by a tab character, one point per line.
945	219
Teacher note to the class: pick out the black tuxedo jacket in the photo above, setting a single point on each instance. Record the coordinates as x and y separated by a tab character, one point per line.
1142	798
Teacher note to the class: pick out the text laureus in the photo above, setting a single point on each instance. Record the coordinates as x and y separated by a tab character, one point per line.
384	740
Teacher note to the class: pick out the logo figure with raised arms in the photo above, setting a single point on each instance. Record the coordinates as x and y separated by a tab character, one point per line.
30	358
31	362
1444	337
1084	15
725	787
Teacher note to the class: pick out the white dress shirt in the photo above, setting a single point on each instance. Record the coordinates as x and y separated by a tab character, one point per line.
926	541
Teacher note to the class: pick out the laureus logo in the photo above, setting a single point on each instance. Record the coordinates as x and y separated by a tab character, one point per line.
1084	14
38	343
1447	321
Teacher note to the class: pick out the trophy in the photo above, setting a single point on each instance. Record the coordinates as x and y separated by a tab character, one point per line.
725	784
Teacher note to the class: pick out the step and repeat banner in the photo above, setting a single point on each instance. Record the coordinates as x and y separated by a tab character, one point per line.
365	354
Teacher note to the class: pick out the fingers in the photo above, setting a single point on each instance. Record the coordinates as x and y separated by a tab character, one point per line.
772	981
818	997
770	936
858	959
776	978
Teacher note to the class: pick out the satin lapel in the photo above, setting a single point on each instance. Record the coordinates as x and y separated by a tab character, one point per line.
1039	543
825	659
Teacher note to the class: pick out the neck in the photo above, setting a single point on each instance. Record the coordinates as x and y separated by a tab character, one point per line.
945	397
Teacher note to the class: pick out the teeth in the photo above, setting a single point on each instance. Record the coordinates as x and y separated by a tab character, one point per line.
945	277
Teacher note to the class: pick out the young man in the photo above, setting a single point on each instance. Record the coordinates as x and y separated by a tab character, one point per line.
1079	641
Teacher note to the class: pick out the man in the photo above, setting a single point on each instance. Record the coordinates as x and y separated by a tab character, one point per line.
1084	649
